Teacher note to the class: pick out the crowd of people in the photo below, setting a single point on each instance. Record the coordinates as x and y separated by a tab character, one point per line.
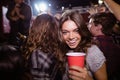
49	38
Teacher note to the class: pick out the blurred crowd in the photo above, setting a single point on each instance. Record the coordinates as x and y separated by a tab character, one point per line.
36	48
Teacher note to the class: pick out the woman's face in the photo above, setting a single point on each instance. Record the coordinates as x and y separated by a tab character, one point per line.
70	34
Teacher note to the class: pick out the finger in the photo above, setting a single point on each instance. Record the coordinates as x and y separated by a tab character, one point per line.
74	77
77	68
76	74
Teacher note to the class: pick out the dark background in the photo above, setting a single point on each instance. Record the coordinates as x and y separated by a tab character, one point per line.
62	2
59	2
56	4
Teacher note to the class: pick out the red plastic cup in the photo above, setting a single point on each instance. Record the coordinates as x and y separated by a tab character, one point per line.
76	59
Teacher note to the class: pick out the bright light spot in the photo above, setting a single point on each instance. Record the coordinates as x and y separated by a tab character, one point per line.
63	7
50	5
37	8
43	6
100	2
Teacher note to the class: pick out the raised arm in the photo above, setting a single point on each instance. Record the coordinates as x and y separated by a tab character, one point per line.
113	7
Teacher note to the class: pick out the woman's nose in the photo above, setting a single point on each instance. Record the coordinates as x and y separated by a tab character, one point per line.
71	35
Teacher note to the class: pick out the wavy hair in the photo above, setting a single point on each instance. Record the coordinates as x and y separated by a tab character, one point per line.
43	35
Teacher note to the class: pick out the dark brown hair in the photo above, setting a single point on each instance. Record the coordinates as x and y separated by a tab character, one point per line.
82	28
107	20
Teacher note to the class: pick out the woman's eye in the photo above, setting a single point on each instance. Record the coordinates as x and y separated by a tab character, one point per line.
77	30
64	32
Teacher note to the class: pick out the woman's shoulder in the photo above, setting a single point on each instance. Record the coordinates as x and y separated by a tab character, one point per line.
93	48
95	58
94	51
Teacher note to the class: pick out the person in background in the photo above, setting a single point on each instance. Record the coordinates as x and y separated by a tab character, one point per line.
76	37
12	64
19	15
101	25
42	49
113	7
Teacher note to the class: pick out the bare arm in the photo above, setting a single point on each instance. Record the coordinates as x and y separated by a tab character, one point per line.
77	73
113	7
101	74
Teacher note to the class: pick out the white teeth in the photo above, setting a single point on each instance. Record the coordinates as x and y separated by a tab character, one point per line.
73	40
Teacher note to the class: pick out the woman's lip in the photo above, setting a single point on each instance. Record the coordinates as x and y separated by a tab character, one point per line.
72	44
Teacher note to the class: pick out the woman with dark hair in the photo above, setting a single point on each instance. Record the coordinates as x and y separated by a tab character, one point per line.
76	37
42	49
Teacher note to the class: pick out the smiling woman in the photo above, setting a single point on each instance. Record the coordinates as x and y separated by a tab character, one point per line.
76	37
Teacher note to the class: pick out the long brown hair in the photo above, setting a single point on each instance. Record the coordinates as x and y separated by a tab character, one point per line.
86	40
43	35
